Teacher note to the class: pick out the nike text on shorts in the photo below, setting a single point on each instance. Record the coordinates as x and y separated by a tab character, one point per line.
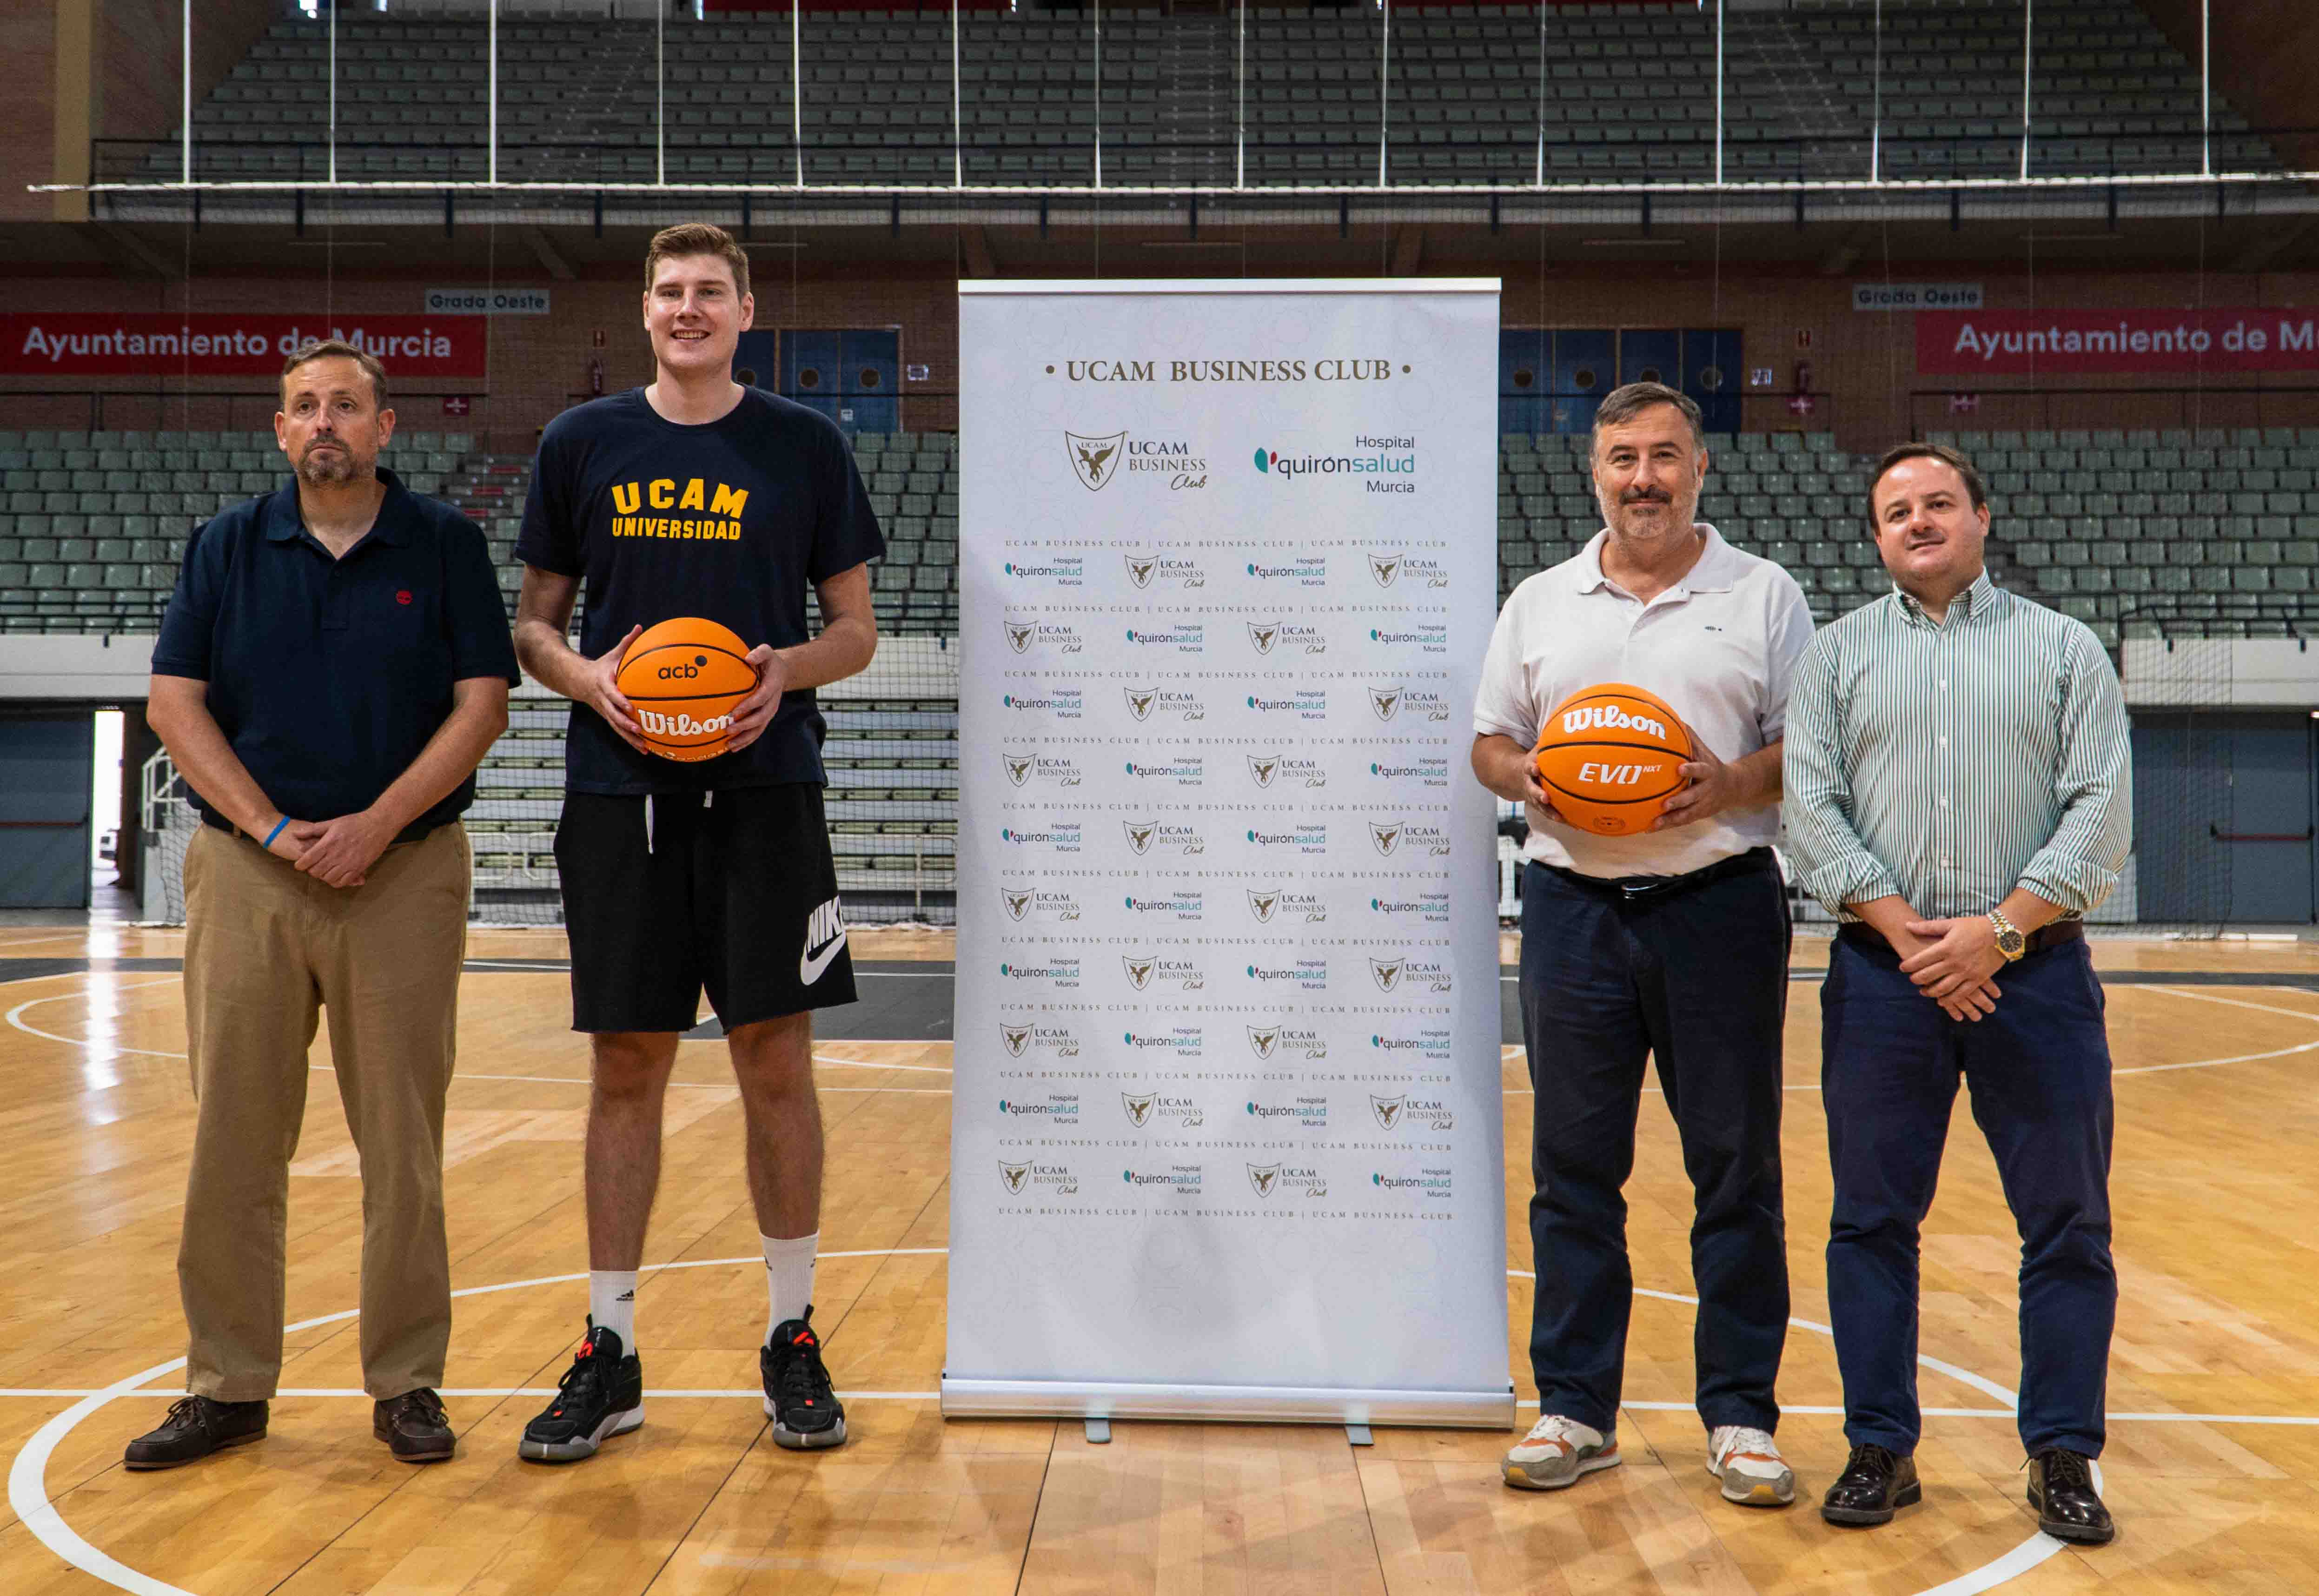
738	895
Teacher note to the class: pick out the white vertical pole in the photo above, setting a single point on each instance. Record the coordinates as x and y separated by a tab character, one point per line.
491	161
1240	110
797	90
659	95
2206	85
1538	177
2028	40
957	109
1876	106
186	125
334	94
1098	94
1385	80
1720	6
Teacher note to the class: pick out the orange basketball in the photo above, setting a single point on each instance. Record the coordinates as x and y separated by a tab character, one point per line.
684	678
1608	757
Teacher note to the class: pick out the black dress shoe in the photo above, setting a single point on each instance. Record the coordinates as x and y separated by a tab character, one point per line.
196	1427
2062	1490
413	1426
1873	1486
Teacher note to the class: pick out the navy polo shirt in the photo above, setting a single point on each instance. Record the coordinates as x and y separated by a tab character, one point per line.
329	675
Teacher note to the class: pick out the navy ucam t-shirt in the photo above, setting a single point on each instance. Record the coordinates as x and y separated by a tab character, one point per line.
729	520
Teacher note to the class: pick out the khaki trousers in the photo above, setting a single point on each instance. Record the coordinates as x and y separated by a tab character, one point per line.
265	947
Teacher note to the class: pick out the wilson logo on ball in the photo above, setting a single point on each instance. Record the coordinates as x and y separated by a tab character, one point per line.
1609	757
684	679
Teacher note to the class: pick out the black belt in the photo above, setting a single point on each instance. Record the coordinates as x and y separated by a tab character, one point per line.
1650	889
1865	935
417	831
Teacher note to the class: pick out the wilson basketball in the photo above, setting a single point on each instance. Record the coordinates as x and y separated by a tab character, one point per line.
684	678
1609	757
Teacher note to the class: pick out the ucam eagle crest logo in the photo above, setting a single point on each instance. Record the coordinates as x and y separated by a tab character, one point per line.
1139	834
1019	635
1138	1107
1019	766
1140	568
1387	1109
1016	1037
1263	1178
1263	1038
1019	904
1093	458
1014	1176
1384	568
1386	837
1263	903
1264	767
1264	635
1387	972
1139	700
1386	701
1138	970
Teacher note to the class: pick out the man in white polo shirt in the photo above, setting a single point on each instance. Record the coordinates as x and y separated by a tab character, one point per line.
1671	944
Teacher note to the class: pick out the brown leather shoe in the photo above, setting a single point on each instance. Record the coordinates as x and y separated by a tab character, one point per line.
414	1427
197	1427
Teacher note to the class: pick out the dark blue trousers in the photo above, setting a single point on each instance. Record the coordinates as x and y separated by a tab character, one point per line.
1699	981
2038	1070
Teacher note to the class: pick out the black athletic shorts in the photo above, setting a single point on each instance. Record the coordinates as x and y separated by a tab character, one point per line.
734	891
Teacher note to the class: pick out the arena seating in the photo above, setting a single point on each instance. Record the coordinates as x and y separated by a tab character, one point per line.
1624	95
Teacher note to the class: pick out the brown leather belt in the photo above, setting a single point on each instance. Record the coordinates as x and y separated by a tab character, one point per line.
2045	936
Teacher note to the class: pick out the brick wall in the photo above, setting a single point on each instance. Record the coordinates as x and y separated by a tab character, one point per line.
1863	363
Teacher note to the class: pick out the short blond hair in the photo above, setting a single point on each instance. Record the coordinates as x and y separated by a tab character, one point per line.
697	238
314	349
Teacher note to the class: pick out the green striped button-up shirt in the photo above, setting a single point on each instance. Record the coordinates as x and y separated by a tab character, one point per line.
1951	762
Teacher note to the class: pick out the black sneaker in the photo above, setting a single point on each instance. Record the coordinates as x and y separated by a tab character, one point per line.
806	1413
196	1427
601	1395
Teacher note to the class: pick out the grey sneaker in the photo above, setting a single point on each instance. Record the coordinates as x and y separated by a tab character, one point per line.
1748	1461
1555	1452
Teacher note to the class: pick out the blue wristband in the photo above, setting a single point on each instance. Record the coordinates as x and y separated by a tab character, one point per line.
276	832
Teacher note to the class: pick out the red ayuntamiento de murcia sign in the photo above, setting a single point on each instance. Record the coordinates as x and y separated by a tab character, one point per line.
2048	343
107	343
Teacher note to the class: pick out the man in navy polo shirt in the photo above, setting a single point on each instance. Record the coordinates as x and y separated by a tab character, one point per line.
333	666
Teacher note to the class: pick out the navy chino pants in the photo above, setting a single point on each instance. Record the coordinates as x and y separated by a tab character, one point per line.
2039	1073
1696	978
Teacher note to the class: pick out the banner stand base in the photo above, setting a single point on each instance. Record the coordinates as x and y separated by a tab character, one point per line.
1103	1402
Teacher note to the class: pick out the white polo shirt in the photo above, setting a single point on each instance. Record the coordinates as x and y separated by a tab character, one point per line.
1721	646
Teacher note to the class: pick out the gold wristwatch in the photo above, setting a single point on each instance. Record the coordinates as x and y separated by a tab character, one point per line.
2009	939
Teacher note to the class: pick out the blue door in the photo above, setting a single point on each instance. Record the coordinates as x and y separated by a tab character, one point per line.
1523	379
1650	354
810	368
757	361
870	380
1584	370
1713	375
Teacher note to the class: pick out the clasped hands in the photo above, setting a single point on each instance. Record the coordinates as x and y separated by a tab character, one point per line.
336	853
1953	966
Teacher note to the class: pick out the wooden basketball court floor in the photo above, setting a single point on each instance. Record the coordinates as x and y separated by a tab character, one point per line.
2213	1465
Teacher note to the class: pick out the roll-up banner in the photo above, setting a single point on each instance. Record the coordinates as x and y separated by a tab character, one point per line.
1226	1139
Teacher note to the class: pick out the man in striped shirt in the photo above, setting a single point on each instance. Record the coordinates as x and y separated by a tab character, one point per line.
1957	792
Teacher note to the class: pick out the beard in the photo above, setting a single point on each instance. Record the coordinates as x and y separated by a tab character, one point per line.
327	468
1615	517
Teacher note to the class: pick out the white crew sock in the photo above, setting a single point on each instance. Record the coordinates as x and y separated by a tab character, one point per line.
788	1278
612	1303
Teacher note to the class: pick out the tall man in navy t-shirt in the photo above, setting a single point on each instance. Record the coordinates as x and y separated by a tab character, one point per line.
697	497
